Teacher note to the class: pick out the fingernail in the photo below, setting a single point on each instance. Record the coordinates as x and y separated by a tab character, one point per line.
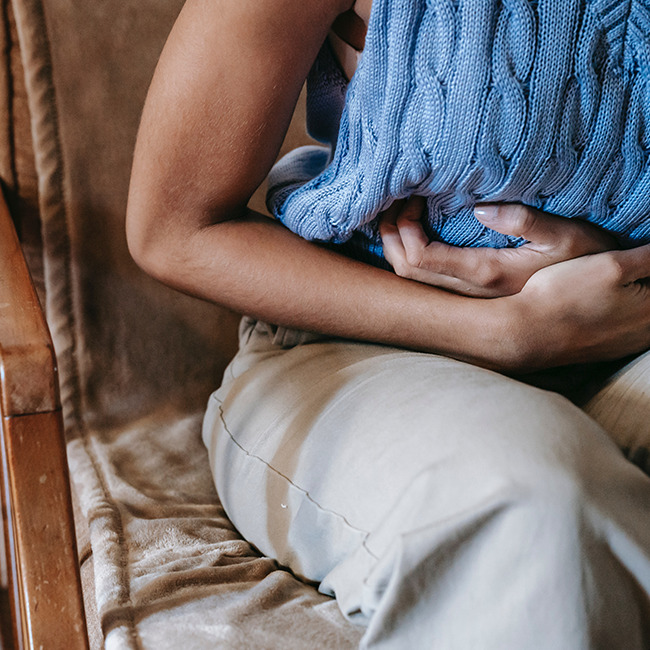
486	211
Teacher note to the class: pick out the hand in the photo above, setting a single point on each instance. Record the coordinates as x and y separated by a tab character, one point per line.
485	272
592	308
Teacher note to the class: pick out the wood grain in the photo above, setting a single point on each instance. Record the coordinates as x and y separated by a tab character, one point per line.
28	381
44	573
44	581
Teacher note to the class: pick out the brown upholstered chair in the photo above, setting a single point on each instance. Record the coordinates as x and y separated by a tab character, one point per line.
160	565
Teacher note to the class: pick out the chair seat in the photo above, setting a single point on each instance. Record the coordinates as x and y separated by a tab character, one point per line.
173	571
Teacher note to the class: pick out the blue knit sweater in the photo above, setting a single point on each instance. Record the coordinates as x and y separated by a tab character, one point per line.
541	102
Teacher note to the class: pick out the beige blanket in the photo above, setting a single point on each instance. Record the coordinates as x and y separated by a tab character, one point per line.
170	569
137	361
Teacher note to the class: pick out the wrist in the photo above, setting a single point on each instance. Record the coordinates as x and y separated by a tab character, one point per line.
506	340
483	332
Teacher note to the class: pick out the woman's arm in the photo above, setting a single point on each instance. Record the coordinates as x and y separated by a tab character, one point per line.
217	111
215	117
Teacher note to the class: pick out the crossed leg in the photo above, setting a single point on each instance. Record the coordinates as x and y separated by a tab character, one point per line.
444	506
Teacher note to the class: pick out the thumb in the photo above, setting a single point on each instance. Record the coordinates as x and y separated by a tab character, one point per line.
522	221
630	265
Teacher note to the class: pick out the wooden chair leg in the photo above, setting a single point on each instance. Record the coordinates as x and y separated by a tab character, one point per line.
40	532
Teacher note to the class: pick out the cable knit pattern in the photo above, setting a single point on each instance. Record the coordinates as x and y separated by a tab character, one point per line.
542	102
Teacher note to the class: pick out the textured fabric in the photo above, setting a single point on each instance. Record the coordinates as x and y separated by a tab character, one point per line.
170	569
514	524
136	360
20	183
540	102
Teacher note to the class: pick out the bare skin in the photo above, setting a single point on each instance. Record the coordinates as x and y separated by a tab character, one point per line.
215	116
486	272
478	272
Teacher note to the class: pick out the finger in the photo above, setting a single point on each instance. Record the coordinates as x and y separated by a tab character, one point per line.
419	258
521	221
487	272
391	240
468	270
390	214
456	262
415	208
628	266
562	237
432	256
409	224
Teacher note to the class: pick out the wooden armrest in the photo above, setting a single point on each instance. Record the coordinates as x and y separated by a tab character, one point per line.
27	363
44	577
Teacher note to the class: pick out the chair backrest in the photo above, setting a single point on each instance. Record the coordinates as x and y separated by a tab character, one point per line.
72	87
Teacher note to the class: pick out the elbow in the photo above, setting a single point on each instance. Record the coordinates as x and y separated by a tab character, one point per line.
164	245
165	238
138	242
148	244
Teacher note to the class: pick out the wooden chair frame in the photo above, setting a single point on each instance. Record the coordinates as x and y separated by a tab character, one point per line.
43	568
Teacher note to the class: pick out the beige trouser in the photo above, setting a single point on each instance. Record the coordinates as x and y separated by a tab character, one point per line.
445	506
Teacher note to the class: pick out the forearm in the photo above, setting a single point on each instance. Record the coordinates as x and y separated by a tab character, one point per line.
213	122
256	266
216	114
